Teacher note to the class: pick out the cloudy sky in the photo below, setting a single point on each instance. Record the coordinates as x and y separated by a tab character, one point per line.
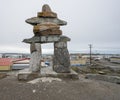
95	22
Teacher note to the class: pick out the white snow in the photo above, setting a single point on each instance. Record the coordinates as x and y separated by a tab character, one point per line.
44	79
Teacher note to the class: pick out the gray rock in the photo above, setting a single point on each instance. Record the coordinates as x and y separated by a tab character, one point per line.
35	57
42	39
112	79
62	42
46	8
3	75
48	72
32	47
27	76
40	20
64	38
47	12
61	59
115	69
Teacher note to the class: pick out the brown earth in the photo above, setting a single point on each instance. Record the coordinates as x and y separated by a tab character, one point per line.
67	89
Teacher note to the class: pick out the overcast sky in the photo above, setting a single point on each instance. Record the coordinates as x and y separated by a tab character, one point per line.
95	22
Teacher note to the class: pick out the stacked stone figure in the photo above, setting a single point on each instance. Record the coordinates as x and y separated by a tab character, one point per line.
46	29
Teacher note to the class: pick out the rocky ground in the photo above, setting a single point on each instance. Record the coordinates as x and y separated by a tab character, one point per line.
102	83
57	89
103	67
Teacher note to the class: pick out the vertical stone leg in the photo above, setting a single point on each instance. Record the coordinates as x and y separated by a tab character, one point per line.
61	60
35	58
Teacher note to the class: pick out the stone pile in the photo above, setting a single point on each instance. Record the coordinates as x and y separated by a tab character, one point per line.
46	29
47	26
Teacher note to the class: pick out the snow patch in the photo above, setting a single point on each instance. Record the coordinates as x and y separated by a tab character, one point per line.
44	79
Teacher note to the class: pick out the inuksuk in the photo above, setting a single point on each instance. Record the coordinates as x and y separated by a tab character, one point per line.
46	29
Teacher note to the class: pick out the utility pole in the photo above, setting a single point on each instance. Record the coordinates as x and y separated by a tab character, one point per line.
90	46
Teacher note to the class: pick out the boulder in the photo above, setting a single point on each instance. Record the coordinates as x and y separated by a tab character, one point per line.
112	79
49	32
47	12
46	29
45	26
61	59
35	58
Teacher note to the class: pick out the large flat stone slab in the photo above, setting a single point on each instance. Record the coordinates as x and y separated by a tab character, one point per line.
42	39
48	72
26	75
41	20
46	39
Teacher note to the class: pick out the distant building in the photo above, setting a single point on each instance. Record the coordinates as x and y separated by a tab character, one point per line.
5	64
18	61
115	59
77	60
20	64
14	55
